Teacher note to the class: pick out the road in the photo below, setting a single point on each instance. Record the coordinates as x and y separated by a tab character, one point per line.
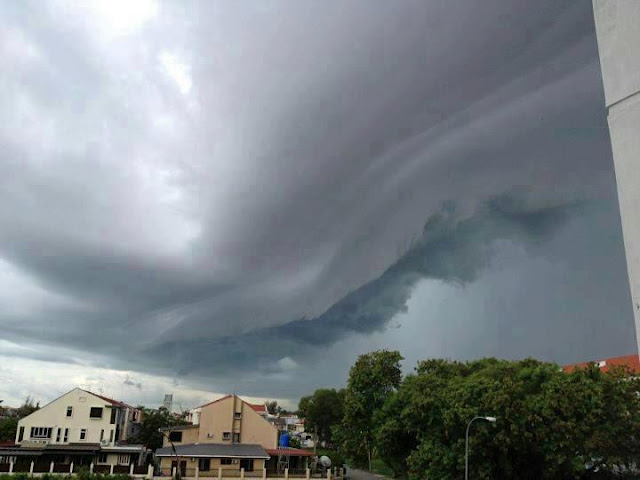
362	475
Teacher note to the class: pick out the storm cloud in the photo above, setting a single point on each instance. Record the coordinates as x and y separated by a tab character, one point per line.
228	192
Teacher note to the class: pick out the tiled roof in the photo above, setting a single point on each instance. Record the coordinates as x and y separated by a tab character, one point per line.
630	361
258	408
215	450
296	452
110	400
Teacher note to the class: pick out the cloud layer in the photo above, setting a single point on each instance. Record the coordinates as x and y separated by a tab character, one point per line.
229	192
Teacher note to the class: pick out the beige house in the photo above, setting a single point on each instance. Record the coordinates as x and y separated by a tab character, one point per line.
228	434
79	427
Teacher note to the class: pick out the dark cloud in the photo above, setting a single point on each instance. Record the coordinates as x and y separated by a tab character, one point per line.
203	187
451	249
129	382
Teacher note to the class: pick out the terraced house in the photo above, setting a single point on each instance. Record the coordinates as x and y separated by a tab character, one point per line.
227	436
80	427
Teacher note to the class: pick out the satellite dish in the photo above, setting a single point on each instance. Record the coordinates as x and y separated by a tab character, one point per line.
325	461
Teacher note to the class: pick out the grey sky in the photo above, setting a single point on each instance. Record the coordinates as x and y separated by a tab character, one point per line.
233	194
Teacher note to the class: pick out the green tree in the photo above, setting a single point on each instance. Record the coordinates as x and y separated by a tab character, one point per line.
551	424
372	380
152	421
28	407
272	407
8	428
322	411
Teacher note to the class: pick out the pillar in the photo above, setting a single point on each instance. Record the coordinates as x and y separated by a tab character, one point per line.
131	469
10	467
286	473
71	468
242	473
111	469
328	473
91	468
219	473
264	473
150	472
51	467
173	472
198	470
617	32
31	468
308	474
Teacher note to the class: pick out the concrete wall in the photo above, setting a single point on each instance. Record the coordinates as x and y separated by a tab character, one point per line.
215	463
618	32
54	415
219	417
189	435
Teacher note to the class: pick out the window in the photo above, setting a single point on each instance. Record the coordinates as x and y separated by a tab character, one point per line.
123	459
237	415
21	434
58	435
236	437
66	435
204	465
113	416
111	436
102	458
69	411
226	435
175	436
83	434
41	432
102	434
95	412
226	461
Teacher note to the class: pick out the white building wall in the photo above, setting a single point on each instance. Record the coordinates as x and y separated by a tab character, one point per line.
54	415
618	32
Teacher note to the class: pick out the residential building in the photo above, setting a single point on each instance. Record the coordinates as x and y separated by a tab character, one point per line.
632	362
618	37
228	434
80	427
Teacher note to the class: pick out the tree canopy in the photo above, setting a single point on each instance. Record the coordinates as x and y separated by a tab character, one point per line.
322	411
152	421
372	379
551	424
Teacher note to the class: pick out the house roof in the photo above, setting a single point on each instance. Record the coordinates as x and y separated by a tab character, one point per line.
295	452
630	361
214	450
117	403
258	408
255	407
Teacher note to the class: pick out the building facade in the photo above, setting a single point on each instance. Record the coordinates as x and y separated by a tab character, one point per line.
227	434
618	40
79	427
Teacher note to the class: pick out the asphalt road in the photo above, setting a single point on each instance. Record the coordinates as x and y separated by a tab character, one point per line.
362	475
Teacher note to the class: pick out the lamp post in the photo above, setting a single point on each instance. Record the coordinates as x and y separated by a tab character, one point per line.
466	443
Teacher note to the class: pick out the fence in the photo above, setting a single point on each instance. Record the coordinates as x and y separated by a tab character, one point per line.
39	468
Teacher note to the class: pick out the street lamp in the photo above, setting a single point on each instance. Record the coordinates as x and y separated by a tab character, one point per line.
466	443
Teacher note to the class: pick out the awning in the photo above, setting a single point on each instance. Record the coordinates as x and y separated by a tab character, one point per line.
292	452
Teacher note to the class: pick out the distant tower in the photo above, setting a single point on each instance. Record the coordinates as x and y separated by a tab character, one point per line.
168	401
618	44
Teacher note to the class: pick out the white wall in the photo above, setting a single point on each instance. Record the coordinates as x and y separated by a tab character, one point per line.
618	32
54	415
